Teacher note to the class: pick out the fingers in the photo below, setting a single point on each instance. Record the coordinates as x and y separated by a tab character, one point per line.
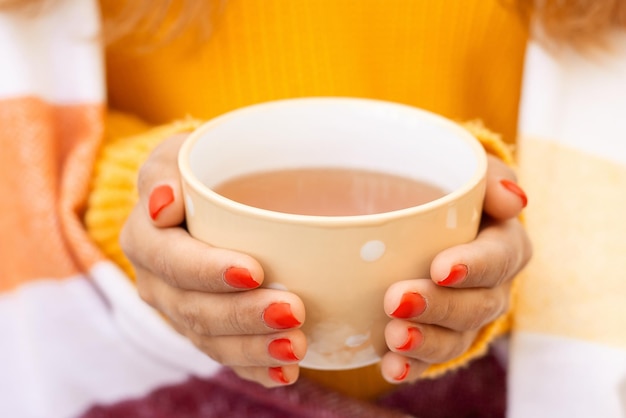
415	346
269	376
456	309
158	184
255	332
183	262
504	199
397	368
278	349
271	360
256	312
427	343
433	324
499	252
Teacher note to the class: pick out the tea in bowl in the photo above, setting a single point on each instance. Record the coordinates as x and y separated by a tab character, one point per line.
337	198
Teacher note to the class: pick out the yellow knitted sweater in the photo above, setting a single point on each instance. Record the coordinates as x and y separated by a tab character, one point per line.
441	56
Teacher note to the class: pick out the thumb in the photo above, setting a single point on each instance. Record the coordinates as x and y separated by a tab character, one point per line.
158	184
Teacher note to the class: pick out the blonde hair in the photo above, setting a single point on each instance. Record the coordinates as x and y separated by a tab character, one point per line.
577	22
160	21
580	23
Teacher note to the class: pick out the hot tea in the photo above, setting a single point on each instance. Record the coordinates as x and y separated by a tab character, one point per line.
328	191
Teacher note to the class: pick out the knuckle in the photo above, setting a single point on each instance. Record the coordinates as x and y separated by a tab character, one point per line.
445	311
487	310
431	353
237	320
165	270
189	317
167	267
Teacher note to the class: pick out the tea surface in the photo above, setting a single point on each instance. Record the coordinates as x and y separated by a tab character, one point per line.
328	192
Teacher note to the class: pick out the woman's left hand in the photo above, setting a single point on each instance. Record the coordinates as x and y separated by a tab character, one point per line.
437	320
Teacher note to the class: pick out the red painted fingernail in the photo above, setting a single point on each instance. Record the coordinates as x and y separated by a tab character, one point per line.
240	278
413	338
457	273
160	197
281	349
411	305
277	375
404	373
513	187
279	316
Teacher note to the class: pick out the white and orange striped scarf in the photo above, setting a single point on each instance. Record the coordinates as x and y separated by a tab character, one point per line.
72	331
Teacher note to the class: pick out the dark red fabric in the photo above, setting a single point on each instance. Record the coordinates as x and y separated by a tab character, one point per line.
476	391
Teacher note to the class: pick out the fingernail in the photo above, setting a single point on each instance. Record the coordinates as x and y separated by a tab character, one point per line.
281	349
457	273
412	304
513	187
414	337
404	373
240	278
279	316
160	197
277	375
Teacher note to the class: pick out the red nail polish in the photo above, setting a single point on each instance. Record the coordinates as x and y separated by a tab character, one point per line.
404	373
277	375
457	273
160	197
412	304
413	338
515	189
281	349
240	278
279	316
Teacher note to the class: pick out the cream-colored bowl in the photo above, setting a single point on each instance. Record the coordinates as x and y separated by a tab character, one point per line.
340	266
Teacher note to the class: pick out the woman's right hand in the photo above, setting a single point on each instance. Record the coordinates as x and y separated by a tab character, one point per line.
209	295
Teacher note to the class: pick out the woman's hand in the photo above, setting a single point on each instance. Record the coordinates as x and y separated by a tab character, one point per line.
436	320
209	295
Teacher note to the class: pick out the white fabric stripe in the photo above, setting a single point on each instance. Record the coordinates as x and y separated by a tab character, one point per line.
63	350
145	327
557	377
577	100
55	55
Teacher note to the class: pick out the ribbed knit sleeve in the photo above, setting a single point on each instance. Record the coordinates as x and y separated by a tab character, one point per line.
128	144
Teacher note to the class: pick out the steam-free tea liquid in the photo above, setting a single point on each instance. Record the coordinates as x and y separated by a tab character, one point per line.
328	191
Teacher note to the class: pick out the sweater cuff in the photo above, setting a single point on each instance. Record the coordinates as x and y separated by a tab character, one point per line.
494	145
127	144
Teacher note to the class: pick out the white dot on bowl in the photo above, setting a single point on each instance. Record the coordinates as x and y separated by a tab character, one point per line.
357	340
451	219
189	205
372	250
475	215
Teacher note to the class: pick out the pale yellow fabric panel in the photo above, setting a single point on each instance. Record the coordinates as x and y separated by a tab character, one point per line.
575	284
